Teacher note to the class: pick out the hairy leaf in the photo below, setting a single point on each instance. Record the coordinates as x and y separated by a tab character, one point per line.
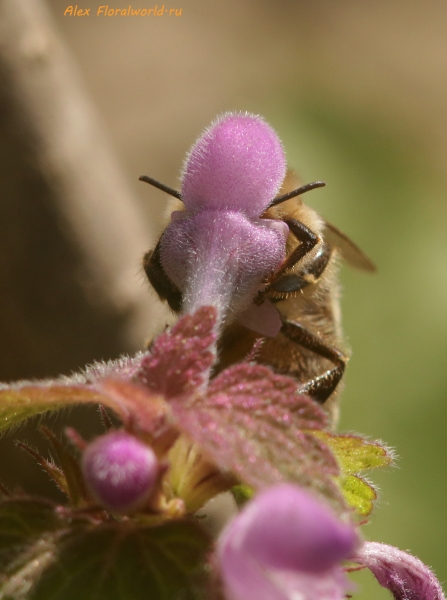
23	520
22	400
46	554
256	425
356	454
180	359
121	561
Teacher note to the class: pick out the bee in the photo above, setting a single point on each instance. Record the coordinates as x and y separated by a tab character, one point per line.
305	292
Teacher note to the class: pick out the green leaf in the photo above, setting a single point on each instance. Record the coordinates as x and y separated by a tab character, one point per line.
131	403
20	401
22	520
121	561
48	554
356	454
26	547
359	494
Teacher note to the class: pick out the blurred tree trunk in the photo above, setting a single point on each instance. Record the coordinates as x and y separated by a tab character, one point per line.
71	234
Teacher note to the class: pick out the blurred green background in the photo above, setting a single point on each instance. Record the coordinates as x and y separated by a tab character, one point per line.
358	93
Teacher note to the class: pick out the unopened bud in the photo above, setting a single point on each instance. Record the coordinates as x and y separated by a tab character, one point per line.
120	471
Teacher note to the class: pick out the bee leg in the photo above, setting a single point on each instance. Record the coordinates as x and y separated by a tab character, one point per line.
307	238
308	241
160	281
294	282
321	387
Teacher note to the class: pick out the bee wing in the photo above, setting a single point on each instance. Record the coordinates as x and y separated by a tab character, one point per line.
350	252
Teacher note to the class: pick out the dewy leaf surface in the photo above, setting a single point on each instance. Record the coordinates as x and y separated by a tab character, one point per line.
252	423
121	561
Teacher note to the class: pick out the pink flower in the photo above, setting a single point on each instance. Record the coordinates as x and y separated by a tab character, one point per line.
218	251
404	575
285	544
120	471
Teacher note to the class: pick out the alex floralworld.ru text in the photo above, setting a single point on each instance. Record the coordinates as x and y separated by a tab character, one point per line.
105	11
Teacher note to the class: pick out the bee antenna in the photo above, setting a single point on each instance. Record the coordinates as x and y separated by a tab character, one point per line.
160	186
301	190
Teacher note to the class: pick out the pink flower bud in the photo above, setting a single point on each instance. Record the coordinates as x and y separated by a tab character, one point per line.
120	471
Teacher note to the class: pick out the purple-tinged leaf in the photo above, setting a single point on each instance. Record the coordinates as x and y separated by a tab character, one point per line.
134	404
258	387
24	399
404	575
180	359
124	367
251	424
140	409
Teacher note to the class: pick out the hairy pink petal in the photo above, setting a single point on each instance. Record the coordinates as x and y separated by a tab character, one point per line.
120	470
237	164
220	258
304	535
404	575
219	251
285	544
